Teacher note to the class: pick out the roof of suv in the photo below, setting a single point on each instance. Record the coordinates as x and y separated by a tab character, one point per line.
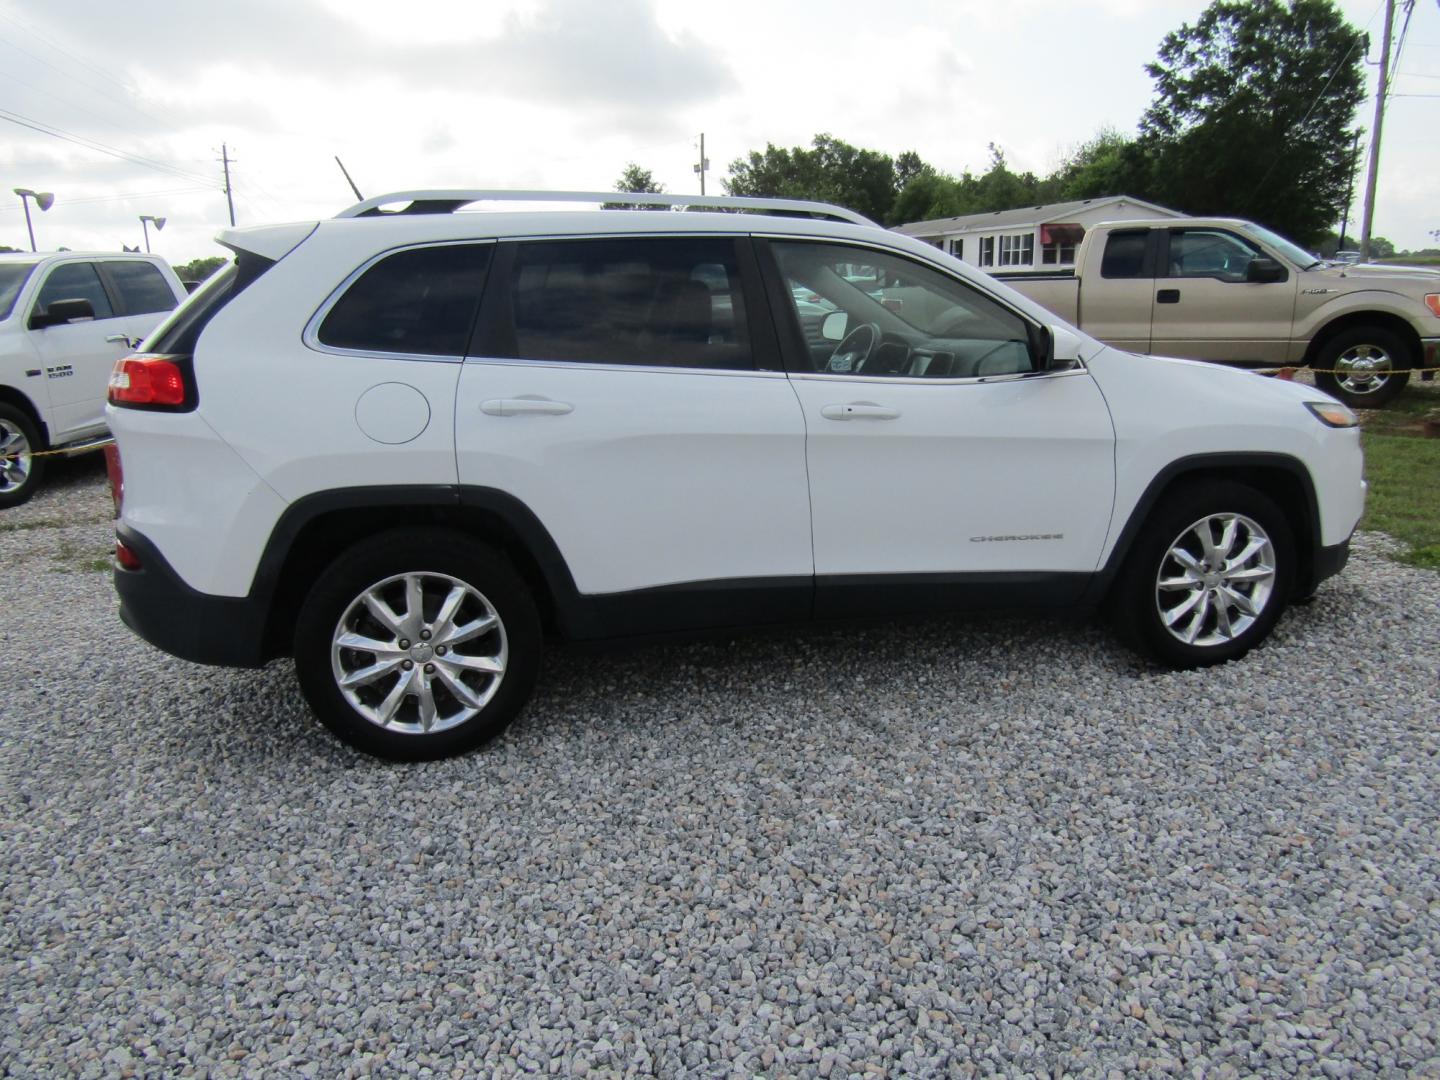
437	216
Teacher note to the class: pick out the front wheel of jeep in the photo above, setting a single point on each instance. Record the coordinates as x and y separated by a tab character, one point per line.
1208	576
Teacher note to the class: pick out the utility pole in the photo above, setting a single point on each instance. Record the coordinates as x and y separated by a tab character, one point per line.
229	199
703	165
1368	213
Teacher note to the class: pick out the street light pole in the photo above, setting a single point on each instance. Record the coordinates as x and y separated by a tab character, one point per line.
158	222
43	199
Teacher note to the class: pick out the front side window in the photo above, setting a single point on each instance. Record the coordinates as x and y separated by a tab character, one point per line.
76	281
882	314
419	302
642	301
1125	254
142	287
1210	253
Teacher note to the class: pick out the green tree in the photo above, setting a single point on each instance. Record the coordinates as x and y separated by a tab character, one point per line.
1109	163
200	269
830	170
638	181
1253	114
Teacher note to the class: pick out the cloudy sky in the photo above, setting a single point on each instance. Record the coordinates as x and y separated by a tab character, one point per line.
563	93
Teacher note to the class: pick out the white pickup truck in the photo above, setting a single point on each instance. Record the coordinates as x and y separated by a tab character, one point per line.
65	318
1228	290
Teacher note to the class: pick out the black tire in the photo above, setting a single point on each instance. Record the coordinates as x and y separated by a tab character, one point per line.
1139	598
439	561
1363	344
20	473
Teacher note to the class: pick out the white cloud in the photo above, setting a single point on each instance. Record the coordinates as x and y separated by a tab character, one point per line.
562	93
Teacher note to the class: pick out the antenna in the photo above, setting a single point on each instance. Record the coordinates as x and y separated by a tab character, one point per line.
346	171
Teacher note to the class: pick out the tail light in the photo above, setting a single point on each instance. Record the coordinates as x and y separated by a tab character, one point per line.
125	557
115	473
146	381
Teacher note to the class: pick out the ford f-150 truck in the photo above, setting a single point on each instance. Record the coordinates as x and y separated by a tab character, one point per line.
1231	291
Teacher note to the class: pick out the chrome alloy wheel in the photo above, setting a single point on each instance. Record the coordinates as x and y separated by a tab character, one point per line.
419	653
1215	580
15	456
1363	369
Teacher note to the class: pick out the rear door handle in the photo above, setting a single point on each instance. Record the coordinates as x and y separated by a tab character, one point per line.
1167	296
525	406
859	410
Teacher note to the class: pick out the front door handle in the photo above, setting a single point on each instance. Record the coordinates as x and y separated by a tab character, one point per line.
123	339
525	406
859	410
1167	296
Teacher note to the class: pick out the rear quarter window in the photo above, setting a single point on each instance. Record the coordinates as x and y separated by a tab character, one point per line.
421	301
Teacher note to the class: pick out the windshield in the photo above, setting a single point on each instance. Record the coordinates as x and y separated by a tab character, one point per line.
12	280
1291	250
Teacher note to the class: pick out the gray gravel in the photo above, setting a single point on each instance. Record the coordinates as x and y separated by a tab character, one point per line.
991	846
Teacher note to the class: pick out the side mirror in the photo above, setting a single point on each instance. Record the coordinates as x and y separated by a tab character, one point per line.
60	312
1064	351
1264	270
832	327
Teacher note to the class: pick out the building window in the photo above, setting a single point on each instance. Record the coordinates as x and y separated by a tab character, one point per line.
987	251
1017	249
1057	254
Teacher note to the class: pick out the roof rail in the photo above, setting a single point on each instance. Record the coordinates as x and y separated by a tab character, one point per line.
448	201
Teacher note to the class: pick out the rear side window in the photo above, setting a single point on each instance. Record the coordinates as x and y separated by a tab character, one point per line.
658	302
1125	254
416	302
76	281
142	287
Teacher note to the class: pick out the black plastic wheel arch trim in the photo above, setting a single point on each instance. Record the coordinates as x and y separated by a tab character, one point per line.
1228	462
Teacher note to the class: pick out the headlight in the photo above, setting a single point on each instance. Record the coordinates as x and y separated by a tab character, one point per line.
1332	414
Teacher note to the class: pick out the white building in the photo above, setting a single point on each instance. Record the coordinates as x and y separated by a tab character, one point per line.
1031	239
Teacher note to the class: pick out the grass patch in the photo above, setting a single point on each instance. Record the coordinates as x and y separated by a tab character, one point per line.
1404	500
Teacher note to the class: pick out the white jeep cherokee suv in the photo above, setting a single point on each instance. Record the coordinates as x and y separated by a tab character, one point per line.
403	446
64	319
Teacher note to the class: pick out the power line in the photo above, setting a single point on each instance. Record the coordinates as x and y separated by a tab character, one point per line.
99	147
82	62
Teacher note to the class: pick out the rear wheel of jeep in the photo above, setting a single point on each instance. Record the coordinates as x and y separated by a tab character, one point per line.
1208	576
1366	367
418	644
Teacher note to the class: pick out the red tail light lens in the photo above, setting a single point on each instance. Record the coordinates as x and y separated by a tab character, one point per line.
147	380
125	558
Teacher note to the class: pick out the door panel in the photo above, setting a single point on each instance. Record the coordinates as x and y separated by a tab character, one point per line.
1117	289
75	357
644	477
1212	312
959	477
613	390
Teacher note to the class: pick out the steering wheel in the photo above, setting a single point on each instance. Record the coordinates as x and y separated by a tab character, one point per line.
854	349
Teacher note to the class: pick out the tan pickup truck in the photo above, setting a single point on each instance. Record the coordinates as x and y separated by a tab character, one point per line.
1228	290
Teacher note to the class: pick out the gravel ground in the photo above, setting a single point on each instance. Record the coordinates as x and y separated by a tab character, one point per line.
991	846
